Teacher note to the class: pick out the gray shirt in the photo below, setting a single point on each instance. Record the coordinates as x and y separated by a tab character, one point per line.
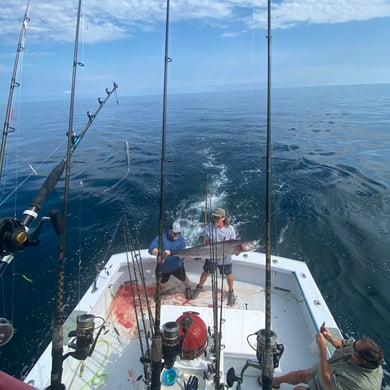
216	234
346	375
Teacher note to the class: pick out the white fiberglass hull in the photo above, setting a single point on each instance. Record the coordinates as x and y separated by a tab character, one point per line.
298	310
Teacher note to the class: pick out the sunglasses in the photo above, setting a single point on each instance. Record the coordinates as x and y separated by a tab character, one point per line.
175	234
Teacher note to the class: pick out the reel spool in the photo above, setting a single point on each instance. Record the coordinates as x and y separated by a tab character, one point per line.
6	331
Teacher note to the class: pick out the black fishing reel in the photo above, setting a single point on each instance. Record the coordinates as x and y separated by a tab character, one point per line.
13	236
6	331
277	349
170	343
83	337
264	365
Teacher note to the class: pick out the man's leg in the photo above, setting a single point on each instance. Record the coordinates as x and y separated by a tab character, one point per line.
186	282
292	378
203	277
230	281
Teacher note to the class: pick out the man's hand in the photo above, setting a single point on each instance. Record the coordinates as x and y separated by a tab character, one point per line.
328	336
321	341
325	332
237	249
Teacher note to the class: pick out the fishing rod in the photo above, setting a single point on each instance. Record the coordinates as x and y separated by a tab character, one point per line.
156	353
139	297
268	352
267	356
206	200
58	335
13	232
217	324
20	48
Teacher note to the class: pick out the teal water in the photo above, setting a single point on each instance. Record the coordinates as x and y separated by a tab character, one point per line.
331	200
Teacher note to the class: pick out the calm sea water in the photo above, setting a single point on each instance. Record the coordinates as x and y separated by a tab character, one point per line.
331	199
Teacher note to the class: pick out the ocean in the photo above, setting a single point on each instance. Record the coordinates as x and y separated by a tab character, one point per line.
330	193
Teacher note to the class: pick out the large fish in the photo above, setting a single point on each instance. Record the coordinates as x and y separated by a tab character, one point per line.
218	250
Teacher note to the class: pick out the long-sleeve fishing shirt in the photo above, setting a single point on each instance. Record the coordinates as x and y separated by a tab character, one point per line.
171	263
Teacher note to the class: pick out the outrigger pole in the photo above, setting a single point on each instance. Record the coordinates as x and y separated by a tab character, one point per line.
7	128
14	233
156	352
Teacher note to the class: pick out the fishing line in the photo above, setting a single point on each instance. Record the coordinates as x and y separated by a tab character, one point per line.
79	236
206	200
16	188
13	84
127	152
249	146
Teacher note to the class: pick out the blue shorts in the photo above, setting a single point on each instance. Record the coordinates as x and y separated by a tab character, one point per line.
224	269
180	274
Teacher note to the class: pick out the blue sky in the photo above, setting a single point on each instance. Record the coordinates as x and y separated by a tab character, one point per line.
214	45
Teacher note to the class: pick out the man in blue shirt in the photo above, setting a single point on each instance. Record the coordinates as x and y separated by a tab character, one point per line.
172	241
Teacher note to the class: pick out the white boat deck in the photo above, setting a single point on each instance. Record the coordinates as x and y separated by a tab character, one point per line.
298	310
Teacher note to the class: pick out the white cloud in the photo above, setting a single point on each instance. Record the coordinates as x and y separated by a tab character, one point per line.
105	20
292	12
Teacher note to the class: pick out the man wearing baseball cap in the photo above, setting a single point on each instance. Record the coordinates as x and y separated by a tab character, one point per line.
172	241
219	230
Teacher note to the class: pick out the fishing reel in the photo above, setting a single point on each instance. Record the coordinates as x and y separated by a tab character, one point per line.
6	331
170	343
262	363
13	236
83	337
277	349
186	337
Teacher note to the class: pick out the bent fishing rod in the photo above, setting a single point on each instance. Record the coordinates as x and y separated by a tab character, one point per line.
14	235
20	48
